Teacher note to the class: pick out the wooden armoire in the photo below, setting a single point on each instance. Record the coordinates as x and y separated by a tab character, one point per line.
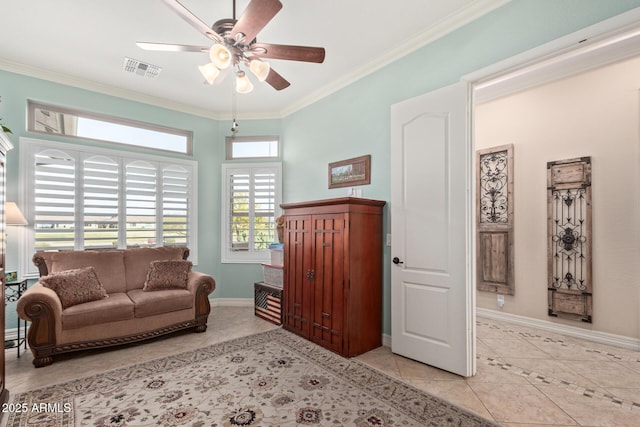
5	145
333	273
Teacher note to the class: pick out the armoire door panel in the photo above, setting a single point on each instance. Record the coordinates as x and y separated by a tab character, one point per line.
298	261
328	279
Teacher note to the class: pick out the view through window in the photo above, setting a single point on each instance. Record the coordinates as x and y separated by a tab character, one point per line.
56	120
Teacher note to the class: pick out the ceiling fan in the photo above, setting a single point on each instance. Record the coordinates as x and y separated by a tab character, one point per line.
235	44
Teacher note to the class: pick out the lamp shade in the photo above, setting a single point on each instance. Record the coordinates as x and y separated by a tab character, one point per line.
209	71
220	56
13	214
259	69
243	84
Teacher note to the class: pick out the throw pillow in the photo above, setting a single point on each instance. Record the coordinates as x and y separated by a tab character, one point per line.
170	274
75	286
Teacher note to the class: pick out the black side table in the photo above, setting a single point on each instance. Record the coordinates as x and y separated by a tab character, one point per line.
12	292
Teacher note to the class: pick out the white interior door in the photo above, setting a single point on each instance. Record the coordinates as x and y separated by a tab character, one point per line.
432	293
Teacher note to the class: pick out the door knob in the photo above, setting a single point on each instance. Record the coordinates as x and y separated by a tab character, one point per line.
396	260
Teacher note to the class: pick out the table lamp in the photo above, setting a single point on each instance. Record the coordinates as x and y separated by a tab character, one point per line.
13	216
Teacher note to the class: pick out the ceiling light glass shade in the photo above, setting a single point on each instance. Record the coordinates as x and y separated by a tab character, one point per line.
209	71
243	84
259	69
220	56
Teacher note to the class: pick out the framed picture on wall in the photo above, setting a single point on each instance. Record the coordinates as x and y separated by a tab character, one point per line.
11	276
350	172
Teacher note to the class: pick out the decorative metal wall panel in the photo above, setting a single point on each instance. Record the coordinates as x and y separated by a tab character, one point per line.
569	281
494	217
494	194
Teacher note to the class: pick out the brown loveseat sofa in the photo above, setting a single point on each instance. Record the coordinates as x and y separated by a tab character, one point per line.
127	314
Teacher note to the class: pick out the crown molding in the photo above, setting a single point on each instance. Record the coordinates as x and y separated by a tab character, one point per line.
434	32
81	83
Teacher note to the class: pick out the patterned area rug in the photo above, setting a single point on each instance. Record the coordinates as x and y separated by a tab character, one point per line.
273	378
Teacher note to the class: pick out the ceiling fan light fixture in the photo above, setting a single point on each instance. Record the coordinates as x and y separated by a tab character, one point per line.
260	69
209	71
220	56
243	84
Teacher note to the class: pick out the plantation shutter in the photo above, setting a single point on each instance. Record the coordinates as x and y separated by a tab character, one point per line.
264	208
252	197
240	193
54	186
176	185
101	198
93	198
141	191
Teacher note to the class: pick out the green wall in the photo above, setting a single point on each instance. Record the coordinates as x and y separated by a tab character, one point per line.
349	123
233	280
356	120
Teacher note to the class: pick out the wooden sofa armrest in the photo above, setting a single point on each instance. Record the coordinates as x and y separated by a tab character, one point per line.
201	285
42	307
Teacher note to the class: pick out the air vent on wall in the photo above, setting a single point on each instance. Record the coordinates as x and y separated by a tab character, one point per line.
140	68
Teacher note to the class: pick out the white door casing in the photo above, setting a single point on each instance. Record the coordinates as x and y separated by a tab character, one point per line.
432	289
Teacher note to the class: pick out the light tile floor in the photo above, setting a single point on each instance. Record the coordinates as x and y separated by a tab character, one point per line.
526	377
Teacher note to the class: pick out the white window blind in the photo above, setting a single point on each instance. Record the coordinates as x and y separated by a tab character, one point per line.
54	188
252	195
176	193
94	198
142	191
101	195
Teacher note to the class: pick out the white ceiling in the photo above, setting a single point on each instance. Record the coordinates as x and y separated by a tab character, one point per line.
84	43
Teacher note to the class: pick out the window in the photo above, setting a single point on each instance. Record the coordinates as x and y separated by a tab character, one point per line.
255	147
251	200
91	198
55	120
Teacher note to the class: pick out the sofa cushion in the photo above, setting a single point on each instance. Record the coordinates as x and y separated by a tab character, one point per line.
152	303
138	260
109	266
75	286
117	307
172	274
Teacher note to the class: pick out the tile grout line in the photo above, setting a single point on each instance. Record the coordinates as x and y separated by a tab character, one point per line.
547	380
572	387
525	335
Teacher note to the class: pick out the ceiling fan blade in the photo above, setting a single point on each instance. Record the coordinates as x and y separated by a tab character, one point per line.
276	80
255	17
193	20
168	47
291	53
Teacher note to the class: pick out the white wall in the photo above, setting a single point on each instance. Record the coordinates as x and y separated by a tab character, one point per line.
592	114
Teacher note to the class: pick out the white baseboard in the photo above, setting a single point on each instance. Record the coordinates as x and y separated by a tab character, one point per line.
621	341
386	340
232	302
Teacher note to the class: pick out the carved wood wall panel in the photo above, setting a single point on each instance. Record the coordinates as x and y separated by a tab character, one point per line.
494	218
569	237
